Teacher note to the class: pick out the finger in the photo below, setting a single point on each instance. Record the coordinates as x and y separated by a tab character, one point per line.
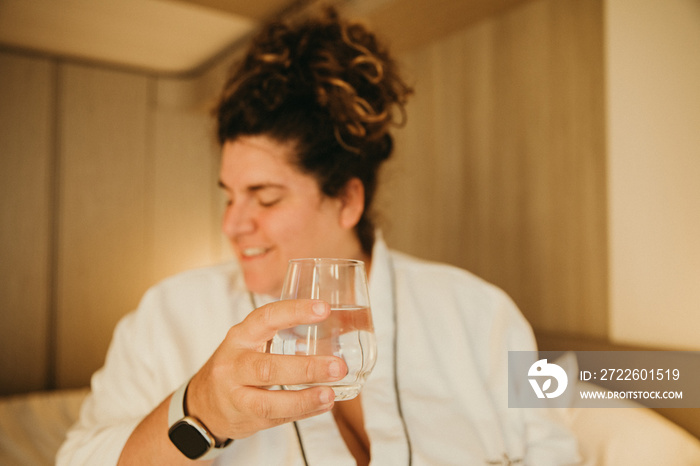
264	369
262	324
263	423
279	406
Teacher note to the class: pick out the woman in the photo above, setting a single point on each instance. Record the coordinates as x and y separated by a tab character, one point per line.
303	122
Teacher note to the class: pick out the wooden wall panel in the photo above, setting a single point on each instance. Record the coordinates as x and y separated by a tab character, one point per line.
186	207
26	102
103	254
500	169
578	133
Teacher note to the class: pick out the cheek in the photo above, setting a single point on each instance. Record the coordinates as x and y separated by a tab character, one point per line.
299	231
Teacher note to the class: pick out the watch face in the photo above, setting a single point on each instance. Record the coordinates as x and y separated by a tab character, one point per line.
189	439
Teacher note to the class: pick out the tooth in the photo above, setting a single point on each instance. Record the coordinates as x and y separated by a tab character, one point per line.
253	251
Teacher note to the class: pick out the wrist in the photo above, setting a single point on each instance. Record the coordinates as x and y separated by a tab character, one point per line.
188	433
195	408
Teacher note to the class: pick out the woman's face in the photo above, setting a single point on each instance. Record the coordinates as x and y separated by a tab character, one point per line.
276	213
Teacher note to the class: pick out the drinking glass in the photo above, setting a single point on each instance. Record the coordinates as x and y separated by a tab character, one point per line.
348	333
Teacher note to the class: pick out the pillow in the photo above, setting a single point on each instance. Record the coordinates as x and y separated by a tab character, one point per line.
627	434
33	426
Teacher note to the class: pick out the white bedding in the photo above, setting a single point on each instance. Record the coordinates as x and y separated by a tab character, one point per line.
626	434
33	426
630	434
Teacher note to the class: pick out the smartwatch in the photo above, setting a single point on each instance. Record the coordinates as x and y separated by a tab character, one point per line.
188	434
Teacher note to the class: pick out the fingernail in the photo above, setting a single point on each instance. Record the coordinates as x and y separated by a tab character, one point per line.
334	369
326	396
319	309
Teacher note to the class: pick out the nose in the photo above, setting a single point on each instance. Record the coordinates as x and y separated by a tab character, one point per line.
239	219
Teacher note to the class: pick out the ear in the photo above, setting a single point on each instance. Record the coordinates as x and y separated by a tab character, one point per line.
352	203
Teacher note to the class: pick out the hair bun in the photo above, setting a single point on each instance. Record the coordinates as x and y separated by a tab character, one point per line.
339	63
357	82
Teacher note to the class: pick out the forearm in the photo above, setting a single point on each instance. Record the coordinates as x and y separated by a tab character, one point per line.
227	394
149	442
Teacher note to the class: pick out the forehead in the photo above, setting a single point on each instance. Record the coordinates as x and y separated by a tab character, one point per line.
256	159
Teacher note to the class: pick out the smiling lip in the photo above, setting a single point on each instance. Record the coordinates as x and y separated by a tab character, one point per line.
251	253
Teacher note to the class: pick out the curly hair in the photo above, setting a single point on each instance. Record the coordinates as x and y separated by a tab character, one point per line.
330	87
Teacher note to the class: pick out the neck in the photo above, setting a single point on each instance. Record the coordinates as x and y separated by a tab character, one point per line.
356	252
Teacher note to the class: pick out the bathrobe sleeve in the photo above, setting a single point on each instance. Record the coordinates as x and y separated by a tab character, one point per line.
175	329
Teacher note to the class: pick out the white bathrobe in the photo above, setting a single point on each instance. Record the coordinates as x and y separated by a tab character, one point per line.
451	331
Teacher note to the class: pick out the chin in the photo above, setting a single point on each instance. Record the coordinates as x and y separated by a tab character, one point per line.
262	286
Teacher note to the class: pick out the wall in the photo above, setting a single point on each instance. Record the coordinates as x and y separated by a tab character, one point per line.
565	138
653	87
27	89
501	167
500	170
108	183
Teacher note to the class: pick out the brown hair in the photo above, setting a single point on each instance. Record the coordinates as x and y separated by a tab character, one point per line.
329	86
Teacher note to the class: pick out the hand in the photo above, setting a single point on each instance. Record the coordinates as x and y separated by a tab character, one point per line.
228	393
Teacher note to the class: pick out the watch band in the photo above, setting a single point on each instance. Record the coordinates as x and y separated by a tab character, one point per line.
176	413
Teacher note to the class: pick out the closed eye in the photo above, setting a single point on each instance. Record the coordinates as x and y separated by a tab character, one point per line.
268	194
269	203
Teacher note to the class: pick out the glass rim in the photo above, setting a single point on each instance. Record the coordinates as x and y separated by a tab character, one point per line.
330	260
